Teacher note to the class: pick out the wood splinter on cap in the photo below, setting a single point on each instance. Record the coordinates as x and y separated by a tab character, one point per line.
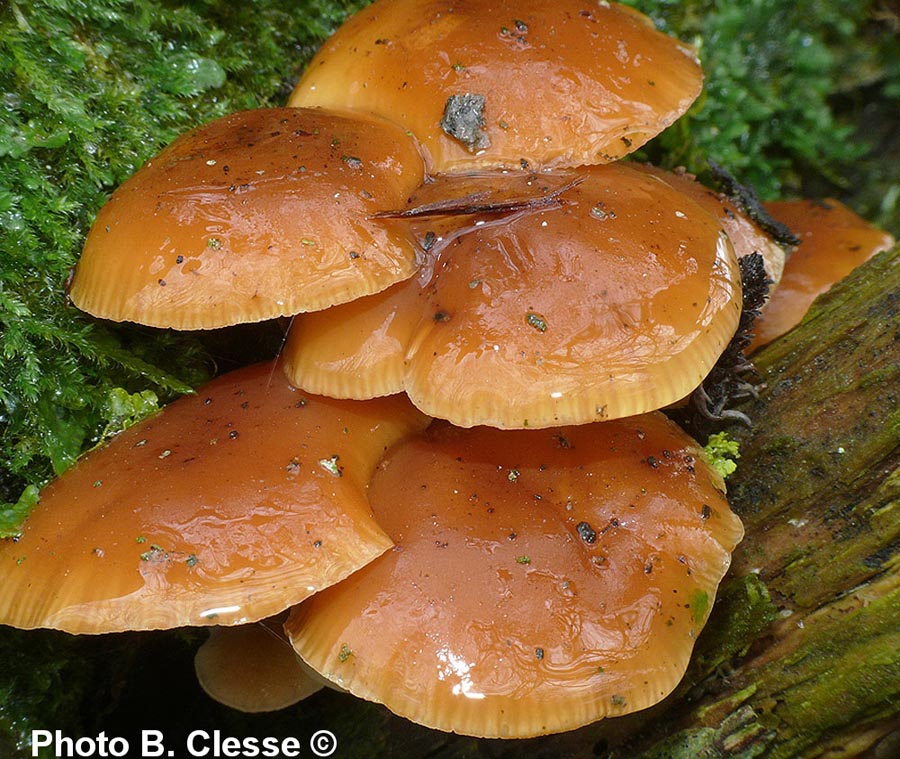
224	508
541	580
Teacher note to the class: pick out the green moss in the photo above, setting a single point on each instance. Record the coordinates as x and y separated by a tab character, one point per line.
721	452
90	91
846	670
36	678
697	742
13	514
699	606
739	736
772	70
743	610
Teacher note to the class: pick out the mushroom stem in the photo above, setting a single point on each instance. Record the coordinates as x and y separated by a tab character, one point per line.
253	668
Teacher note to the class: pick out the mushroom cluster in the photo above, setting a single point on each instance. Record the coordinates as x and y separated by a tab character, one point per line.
457	475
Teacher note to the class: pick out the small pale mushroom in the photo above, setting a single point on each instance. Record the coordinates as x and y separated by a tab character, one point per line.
237	221
834	240
511	83
224	508
540	580
253	668
614	301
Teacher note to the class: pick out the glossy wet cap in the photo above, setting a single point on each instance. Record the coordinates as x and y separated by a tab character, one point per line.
224	508
260	214
615	301
357	350
253	668
544	84
834	240
541	579
745	234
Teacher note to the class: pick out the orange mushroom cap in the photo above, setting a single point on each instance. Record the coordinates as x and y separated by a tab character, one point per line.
260	214
252	668
615	301
223	508
745	234
356	350
833	241
497	84
541	579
